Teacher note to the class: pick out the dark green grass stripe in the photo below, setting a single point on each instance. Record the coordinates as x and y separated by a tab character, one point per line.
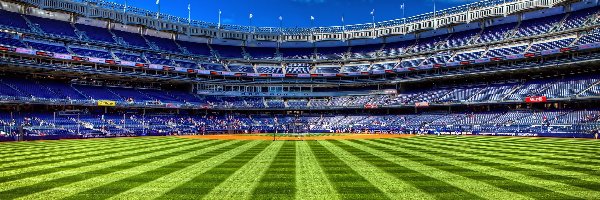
39	172
478	150
522	188
42	186
68	153
202	184
347	182
111	189
279	181
550	156
436	188
497	181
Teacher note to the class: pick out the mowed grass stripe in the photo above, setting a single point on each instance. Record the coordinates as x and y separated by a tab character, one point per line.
156	171
433	185
46	167
60	146
241	183
534	187
105	186
279	181
311	180
44	144
204	183
564	165
540	155
28	186
468	180
347	182
373	170
535	144
538	169
159	187
89	152
17	154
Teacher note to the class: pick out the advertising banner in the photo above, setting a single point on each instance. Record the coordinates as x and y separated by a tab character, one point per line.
536	99
107	103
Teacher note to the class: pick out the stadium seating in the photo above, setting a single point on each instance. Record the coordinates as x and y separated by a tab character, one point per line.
55	27
48	46
83	51
131	39
96	34
13	20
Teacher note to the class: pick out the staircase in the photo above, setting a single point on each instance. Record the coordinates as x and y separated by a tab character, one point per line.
558	26
118	40
529	47
33	26
182	49
512	91
81	93
588	88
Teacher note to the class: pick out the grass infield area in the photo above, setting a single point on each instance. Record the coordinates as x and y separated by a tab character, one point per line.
426	167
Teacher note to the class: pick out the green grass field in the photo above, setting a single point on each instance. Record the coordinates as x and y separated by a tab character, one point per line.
408	168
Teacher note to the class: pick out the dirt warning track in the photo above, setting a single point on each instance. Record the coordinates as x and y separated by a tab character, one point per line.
291	138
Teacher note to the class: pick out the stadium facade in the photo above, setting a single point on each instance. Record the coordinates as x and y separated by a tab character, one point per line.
90	68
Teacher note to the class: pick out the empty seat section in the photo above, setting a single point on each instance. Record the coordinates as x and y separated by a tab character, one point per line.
261	52
91	52
132	39
241	68
13	20
50	47
195	48
129	57
96	33
164	44
297	53
55	27
228	51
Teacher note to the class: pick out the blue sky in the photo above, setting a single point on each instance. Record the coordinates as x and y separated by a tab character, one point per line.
295	13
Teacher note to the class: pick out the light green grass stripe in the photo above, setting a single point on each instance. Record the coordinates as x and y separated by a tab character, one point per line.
93	155
573	150
530	156
74	188
60	174
546	143
475	187
11	154
311	180
91	150
548	152
547	184
388	184
161	186
241	183
58	144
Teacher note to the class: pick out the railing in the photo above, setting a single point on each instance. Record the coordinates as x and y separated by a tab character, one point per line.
460	14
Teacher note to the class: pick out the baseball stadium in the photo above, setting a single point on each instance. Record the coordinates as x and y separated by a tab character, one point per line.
111	99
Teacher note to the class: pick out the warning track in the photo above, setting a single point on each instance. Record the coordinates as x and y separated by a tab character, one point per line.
292	138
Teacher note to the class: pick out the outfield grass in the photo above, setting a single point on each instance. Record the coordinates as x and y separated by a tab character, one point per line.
400	168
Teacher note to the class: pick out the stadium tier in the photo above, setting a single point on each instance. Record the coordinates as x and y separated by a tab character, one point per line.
529	70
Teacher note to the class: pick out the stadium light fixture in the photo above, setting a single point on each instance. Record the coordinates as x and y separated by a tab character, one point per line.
219	24
189	13
158	13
